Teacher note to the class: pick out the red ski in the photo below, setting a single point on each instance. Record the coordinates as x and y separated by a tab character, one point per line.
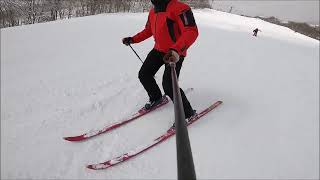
118	124
139	150
108	128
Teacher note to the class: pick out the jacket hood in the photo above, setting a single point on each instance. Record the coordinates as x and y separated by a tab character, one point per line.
159	2
160	5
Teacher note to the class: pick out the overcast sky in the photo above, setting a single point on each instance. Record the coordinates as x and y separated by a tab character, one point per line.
294	10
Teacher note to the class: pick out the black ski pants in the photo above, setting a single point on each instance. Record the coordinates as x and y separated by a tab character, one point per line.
150	67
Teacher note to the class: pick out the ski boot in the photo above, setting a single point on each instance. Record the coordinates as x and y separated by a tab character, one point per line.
152	104
187	120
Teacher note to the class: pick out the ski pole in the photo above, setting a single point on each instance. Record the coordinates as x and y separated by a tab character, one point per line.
185	168
135	53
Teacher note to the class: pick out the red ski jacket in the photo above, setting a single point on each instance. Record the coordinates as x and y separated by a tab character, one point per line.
173	27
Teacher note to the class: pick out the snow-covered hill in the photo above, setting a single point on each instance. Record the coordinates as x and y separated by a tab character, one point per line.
67	77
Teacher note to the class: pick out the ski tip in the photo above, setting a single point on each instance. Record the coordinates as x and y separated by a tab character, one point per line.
216	103
98	166
90	167
67	138
72	139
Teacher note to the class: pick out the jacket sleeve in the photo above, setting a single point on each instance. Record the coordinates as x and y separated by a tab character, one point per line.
188	29
144	34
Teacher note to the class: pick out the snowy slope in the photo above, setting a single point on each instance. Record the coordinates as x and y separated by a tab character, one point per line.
67	77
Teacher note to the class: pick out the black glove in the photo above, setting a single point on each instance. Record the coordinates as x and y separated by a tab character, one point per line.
127	41
171	56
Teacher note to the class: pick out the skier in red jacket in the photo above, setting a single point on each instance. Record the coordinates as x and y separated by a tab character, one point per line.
173	27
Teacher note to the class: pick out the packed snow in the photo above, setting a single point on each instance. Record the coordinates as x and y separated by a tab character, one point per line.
68	77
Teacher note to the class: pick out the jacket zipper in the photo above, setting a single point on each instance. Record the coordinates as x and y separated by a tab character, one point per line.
155	28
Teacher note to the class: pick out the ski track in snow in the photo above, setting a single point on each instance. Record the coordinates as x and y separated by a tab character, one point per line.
67	77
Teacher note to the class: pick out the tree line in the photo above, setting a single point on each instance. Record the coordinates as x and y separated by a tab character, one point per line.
20	12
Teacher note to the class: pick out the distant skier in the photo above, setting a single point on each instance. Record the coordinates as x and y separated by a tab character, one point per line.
255	32
173	27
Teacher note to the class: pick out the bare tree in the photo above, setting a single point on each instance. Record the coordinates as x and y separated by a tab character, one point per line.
17	12
10	13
